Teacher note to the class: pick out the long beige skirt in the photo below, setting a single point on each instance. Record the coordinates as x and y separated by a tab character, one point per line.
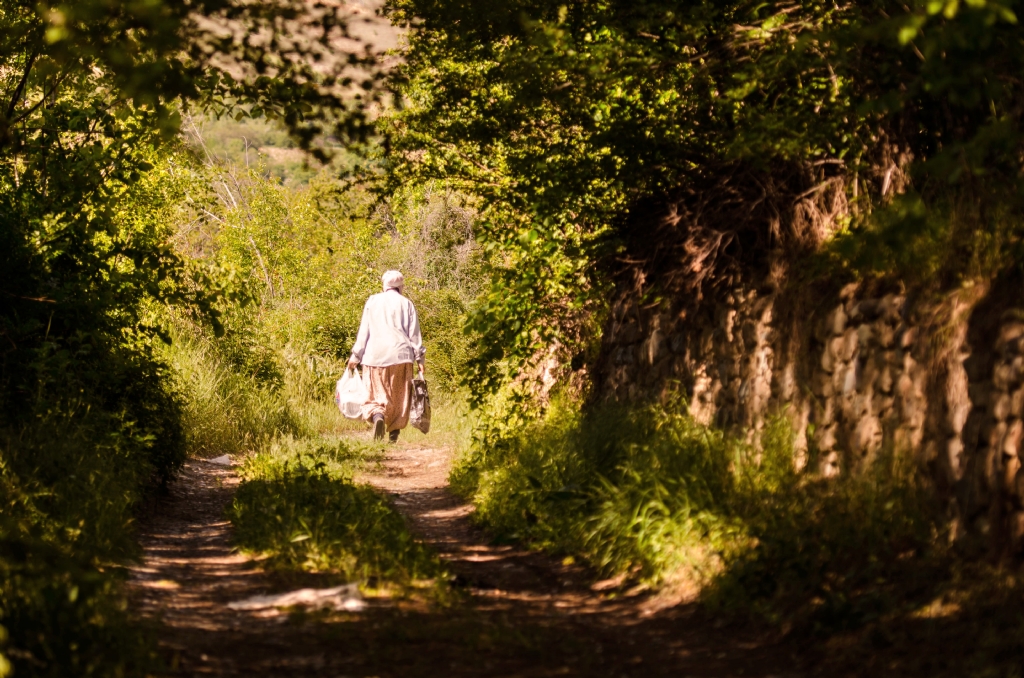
390	394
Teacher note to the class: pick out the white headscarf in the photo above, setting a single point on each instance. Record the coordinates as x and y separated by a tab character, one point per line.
393	280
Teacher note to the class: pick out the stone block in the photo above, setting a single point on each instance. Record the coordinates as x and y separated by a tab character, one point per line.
885	335
850	378
835	346
885	380
654	347
830	467
1017	403
1003	376
995	436
1012	439
849	345
1000	409
867	436
882	404
905	386
837	320
1011	466
865	335
821	385
958	417
1018	369
954	456
890	307
1009	333
828	360
867	373
908	337
825	437
824	412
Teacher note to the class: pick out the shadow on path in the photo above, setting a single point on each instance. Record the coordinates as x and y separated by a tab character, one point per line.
522	613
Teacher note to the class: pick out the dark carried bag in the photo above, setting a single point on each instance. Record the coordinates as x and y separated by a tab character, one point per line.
419	408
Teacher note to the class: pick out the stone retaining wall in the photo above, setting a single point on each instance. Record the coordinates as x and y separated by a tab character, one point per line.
856	373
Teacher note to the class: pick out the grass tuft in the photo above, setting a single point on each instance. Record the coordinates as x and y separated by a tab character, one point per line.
298	508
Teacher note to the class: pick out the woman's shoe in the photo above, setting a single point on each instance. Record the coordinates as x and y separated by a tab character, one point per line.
393	435
378	428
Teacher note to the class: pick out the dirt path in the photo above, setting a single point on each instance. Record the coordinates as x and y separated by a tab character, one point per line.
523	614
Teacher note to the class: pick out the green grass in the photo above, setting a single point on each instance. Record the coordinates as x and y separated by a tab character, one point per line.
298	508
861	565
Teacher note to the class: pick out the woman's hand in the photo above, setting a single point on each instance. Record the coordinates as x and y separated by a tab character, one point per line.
353	363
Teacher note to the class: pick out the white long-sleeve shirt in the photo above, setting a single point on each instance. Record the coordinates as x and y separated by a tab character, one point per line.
389	333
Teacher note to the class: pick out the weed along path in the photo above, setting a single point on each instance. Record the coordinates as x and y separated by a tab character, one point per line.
511	612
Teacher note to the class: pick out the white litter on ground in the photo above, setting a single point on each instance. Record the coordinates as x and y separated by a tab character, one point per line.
343	598
223	460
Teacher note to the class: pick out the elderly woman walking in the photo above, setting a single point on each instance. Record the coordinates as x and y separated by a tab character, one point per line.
388	343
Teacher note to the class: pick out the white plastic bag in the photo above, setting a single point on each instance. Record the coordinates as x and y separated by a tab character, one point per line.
419	408
350	394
